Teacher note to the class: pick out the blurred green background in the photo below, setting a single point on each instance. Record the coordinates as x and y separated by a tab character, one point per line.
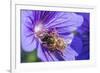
27	57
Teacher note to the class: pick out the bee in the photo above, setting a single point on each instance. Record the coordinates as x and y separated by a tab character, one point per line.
52	41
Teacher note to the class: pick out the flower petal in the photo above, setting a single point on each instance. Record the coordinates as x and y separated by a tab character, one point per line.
58	54
45	55
65	22
41	53
28	41
46	16
69	54
68	39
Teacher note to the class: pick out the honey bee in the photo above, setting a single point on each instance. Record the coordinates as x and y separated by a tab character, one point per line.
53	42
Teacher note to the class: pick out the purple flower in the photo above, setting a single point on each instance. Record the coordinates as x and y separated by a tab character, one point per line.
50	33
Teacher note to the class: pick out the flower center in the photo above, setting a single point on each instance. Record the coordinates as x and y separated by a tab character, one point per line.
38	28
50	39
